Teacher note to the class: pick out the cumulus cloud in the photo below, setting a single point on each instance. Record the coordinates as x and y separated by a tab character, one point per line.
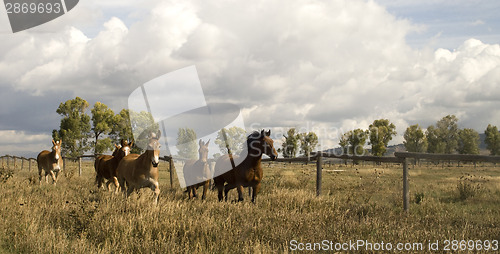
336	65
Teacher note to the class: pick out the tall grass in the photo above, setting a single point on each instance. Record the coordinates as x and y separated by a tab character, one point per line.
360	203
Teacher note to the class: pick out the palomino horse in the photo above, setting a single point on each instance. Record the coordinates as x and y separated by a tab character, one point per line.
248	173
50	162
198	171
140	171
106	165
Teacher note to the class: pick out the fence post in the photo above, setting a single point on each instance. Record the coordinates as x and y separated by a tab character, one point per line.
406	191
171	165
2	161
319	167
79	166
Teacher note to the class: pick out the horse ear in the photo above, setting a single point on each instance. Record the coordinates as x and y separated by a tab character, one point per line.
268	133
158	134
206	144
131	143
200	142
53	142
60	141
262	133
116	146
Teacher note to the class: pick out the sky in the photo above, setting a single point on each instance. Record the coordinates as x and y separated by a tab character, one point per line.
323	66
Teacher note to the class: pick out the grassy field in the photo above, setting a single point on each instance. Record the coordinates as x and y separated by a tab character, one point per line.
361	202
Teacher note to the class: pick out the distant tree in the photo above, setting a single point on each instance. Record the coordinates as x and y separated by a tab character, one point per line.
356	140
434	143
415	139
381	132
444	137
74	129
492	139
186	143
308	142
291	144
344	143
102	123
468	141
236	138
122	129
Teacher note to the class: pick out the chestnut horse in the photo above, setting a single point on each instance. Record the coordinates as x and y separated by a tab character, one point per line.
50	162
141	171
198	172
248	173
106	165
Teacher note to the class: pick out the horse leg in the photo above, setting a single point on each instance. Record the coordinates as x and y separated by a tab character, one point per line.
189	192
130	190
117	184
255	191
193	188
156	189
121	181
39	175
239	188
206	186
227	188
220	189
53	177
57	174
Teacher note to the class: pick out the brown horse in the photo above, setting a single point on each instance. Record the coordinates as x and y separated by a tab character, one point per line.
248	172
106	165
50	162
198	172
140	171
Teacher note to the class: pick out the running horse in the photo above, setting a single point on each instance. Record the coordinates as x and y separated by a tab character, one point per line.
198	171
141	171
247	173
50	162
106	165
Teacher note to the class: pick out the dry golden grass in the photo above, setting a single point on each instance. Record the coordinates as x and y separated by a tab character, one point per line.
360	203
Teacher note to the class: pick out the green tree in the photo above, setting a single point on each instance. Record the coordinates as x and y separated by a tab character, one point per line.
381	132
142	125
308	142
122	129
344	143
291	144
444	137
102	123
186	143
74	129
492	139
236	138
415	139
356	140
468	141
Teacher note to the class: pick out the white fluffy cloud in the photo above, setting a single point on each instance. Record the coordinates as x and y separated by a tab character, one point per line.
337	64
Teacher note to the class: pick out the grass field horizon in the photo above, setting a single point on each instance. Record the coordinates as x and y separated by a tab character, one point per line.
358	202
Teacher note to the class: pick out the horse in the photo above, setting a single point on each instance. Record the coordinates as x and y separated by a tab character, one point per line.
248	172
141	171
198	171
50	162
106	165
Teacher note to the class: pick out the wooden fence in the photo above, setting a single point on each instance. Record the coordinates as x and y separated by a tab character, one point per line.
399	158
7	160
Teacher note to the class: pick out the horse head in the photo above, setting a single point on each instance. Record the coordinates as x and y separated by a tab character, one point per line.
154	148
203	150
56	151
261	143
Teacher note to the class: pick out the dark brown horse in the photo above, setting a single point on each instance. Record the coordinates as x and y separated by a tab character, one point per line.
248	171
198	172
50	162
141	171
106	165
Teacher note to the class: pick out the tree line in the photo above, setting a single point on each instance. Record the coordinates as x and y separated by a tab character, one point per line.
443	137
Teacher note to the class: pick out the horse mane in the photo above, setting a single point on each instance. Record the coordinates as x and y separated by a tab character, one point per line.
252	137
